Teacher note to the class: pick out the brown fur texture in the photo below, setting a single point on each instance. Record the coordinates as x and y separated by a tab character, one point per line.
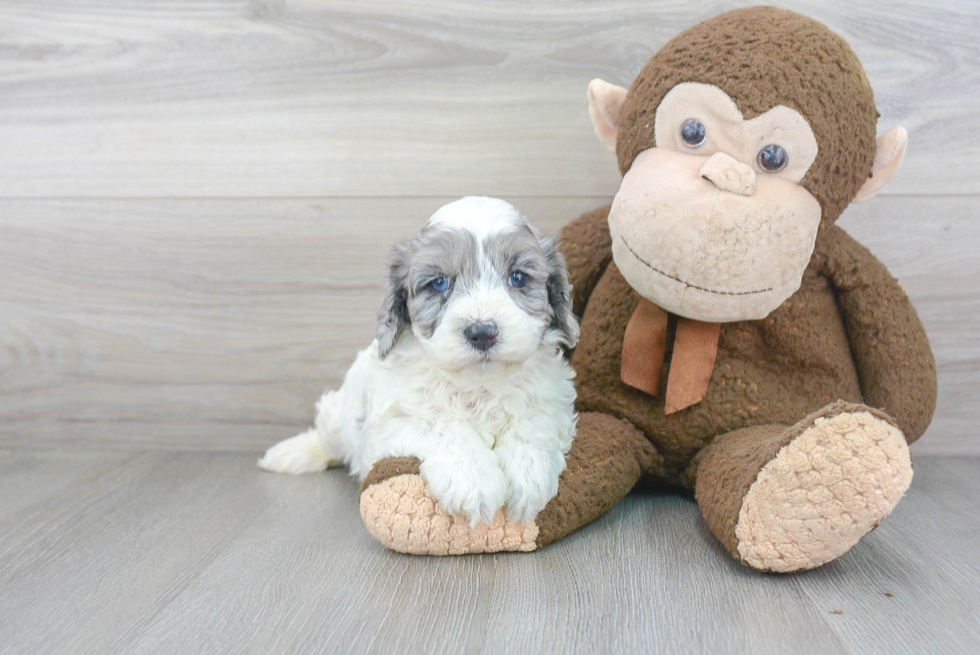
773	371
731	464
763	57
607	460
587	254
890	348
391	467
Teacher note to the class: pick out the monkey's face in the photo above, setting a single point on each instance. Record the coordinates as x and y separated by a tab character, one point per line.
717	216
712	223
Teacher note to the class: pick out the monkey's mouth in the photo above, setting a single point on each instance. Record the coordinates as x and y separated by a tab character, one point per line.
688	284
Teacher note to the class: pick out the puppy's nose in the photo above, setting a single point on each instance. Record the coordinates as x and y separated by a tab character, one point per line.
729	174
481	335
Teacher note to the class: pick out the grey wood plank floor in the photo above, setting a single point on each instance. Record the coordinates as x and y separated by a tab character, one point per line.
106	552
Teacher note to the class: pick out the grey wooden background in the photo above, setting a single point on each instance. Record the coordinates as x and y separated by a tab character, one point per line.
197	196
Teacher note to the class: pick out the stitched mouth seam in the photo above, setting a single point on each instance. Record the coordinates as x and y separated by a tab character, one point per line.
693	286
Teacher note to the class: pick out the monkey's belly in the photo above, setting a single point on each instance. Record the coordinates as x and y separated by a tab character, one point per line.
774	371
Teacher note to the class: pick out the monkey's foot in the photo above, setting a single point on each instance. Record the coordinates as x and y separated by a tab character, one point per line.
399	511
823	491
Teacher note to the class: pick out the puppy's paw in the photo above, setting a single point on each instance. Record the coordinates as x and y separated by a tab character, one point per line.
532	478
300	454
474	489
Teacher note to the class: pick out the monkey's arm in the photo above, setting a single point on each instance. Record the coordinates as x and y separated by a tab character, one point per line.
587	247
895	364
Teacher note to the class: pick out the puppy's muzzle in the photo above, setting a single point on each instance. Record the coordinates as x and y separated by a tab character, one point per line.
481	336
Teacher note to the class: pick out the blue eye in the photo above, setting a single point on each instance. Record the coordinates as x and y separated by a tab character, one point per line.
518	279
694	133
773	158
440	284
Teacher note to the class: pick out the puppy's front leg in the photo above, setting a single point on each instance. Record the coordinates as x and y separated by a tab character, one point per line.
463	473
531	458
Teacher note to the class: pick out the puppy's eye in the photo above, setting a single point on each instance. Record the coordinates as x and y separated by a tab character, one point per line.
440	284
773	158
518	279
694	133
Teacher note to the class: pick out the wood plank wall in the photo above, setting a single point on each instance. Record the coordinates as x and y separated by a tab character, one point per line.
197	196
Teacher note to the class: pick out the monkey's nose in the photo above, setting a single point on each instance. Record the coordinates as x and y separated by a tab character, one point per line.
481	335
728	174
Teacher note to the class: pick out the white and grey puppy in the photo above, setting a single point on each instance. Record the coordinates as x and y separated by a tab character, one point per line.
467	371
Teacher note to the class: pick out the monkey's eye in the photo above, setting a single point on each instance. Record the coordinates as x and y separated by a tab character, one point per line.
773	158
518	279
440	284
694	133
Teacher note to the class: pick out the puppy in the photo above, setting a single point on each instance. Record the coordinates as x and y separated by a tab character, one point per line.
467	371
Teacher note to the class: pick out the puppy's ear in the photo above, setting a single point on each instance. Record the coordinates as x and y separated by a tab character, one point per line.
393	312
560	293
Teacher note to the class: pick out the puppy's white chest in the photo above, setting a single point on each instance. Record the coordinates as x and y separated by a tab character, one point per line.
484	411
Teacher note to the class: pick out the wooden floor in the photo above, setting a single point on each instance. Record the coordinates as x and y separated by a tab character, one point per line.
106	552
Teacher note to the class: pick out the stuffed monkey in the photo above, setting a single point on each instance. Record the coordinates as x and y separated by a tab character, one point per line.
734	341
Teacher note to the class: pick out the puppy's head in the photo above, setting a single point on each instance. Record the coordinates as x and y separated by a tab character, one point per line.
478	285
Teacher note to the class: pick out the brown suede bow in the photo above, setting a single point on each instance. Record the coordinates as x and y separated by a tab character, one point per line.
693	361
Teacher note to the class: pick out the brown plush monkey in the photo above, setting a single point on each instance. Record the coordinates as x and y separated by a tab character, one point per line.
734	341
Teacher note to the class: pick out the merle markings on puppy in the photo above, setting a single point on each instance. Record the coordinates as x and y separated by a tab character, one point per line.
467	371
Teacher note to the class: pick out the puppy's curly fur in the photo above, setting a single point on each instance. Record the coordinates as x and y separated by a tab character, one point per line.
467	372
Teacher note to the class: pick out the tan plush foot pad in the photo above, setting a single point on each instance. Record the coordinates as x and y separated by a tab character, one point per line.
401	513
822	492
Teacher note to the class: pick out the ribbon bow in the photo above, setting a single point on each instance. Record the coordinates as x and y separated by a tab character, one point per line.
692	363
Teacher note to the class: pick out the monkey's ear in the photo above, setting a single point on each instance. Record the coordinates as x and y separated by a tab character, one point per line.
605	109
889	153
